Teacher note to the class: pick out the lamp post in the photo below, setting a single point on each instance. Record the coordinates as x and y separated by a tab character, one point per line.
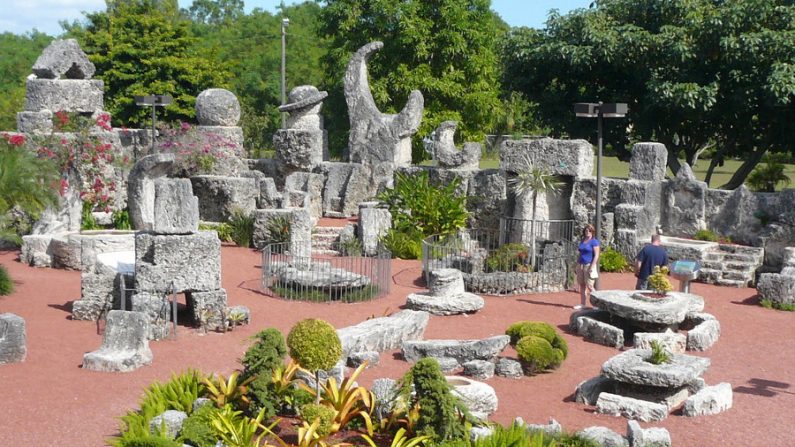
153	101
599	111
285	22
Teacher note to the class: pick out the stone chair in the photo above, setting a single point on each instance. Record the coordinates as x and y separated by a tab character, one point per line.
125	346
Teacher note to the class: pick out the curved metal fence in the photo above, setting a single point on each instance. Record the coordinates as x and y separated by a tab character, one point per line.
348	276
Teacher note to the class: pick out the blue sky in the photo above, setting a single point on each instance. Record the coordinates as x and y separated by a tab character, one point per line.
20	16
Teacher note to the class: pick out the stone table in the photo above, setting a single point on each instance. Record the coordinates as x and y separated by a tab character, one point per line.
655	314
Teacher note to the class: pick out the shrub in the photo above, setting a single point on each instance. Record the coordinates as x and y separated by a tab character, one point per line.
612	261
509	258
537	354
658	354
223	229
196	429
658	280
121	220
519	436
87	221
522	329
770	304
706	235
6	283
440	412
265	354
149	441
278	229
314	344
403	244
242	228
312	412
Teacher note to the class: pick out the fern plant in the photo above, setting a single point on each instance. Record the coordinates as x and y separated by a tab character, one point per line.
659	354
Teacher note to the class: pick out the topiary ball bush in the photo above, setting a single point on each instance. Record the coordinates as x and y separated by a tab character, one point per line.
314	344
266	354
6	284
311	412
197	428
522	329
537	354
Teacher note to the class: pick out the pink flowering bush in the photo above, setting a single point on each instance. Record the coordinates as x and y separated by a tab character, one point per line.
196	152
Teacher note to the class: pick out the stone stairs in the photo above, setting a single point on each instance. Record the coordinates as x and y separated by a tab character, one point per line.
731	265
325	239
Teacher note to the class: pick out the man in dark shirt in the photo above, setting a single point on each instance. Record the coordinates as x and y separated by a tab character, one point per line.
649	257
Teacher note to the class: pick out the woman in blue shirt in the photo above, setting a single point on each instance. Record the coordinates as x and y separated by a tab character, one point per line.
587	264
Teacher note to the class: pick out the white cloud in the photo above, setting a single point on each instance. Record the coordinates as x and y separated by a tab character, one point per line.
20	16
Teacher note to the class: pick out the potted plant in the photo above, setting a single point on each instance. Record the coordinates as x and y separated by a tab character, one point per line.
659	282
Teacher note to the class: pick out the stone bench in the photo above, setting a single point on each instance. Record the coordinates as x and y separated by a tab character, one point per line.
125	346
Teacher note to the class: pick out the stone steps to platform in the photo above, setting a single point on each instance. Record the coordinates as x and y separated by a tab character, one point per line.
325	239
731	265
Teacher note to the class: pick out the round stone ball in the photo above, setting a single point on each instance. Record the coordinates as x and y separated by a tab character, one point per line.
217	107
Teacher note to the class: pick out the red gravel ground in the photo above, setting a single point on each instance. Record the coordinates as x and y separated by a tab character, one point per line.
49	400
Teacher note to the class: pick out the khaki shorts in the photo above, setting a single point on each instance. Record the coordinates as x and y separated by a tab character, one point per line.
583	276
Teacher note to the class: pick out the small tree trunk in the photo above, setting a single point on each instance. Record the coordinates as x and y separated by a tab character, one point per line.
317	386
533	235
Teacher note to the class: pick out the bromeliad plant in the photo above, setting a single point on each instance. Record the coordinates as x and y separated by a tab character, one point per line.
346	400
228	391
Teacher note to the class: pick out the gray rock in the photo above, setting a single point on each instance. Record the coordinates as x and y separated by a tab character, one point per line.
70	95
303	105
445	305
192	262
169	423
649	162
376	137
480	432
461	350
13	339
97	294
509	368
479	369
594	314
265	222
63	59
588	391
158	309
561	157
39	122
220	196
650	437
487	192
359	358
301	224
384	333
599	332
604	437
705	334
638	309
347	185
141	188
385	392
479	398
208	308
448	365
684	209
300	149
35	250
630	408
777	288
304	190
227	141
709	400
176	208
125	346
631	367
552	428
673	342
446	153
217	107
200	402
322	276
374	223
337	372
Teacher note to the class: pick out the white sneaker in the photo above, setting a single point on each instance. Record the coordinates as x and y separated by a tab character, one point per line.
578	307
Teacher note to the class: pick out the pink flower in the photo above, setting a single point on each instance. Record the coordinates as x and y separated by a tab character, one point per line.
16	140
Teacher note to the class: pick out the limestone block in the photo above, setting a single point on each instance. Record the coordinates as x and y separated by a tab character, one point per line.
561	157
461	350
220	196
509	368
63	59
65	249
479	369
552	428
359	358
300	149
445	152
777	288
487	198
35	250
374	223
217	107
208	308
384	333
13	339
266	222
347	185
71	95
599	332
301	224
376	137
385	392
588	391
310	192
35	122
141	188
630	408
158	309
125	346
170	422
97	292
684	209
461	303
710	400
674	343
230	139
176	208
192	262
480	398
594	314
631	367
704	335
604	437
269	196
641	310
650	437
303	105
649	162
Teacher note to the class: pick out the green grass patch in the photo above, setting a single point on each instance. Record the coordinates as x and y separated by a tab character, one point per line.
770	304
322	296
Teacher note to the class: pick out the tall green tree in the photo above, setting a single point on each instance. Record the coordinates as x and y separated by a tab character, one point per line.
215	12
144	47
447	49
17	55
696	74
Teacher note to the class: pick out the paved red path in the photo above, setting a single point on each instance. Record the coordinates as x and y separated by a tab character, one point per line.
50	400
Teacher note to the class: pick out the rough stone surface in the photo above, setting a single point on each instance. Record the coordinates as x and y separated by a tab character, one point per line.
704	335
649	437
385	392
461	350
561	157
300	149
552	428
70	95
600	332
710	400
777	288
631	367
684	211
634	307
384	333
376	137
264	222
217	107
445	152
125	346
359	358
208	308
672	342
304	104
594	314
220	196
509	368
630	408
604	437
479	398
649	162
347	184
141	188
588	391
305	190
13	339
445	305
374	223
169	422
158	309
63	59
301	224
321	276
35	122
479	369
192	262
35	250
487	198
227	141
176	208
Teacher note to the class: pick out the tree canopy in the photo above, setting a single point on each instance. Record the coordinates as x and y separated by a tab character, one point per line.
17	55
695	74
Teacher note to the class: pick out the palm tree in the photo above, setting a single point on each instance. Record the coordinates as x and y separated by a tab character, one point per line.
533	180
766	177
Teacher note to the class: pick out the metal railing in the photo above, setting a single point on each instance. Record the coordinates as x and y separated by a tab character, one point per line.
349	276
